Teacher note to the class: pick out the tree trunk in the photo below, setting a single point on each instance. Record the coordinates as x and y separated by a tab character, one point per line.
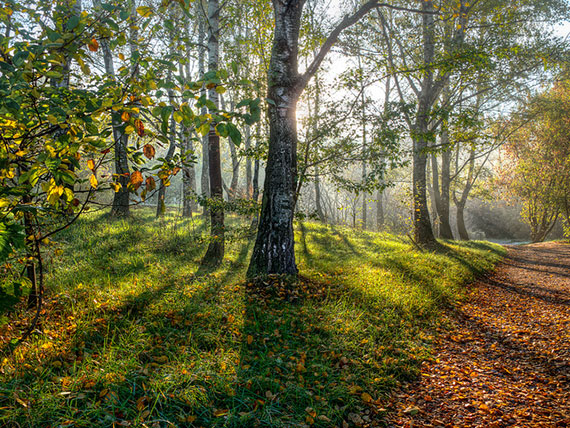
161	204
187	149
380	194
363	124
204	176
233	190
443	202
380	209
188	177
120	207
318	204
215	252
423	232
274	250
461	229
441	196
248	165
460	204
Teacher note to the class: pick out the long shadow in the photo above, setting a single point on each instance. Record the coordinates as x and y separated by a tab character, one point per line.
518	350
345	240
306	253
528	292
514	263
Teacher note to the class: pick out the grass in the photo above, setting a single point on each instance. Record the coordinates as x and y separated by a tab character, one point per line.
136	333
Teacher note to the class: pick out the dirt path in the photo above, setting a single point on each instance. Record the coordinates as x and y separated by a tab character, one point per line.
506	363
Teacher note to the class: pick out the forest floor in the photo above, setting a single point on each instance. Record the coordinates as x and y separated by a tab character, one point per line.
135	332
506	359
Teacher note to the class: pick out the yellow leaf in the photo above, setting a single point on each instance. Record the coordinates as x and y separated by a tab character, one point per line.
121	57
204	129
125	116
91	164
220	412
93	181
144	11
366	397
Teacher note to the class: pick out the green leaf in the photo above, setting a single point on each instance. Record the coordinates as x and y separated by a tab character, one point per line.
72	23
234	133
11	238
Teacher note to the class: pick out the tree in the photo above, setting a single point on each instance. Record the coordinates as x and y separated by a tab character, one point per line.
536	164
215	252
274	251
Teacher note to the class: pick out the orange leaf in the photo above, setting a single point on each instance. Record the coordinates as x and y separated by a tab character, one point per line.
149	151
139	126
91	164
150	184
93	45
136	179
125	116
249	339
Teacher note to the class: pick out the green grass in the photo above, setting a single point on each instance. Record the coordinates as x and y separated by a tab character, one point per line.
137	333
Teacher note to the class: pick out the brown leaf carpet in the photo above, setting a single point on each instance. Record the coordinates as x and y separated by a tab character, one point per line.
505	362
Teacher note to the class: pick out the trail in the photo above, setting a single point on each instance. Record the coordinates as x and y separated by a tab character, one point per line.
506	360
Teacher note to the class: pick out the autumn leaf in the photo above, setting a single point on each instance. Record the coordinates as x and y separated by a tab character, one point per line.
150	184
366	397
139	126
136	179
125	116
149	151
91	164
93	181
93	45
249	339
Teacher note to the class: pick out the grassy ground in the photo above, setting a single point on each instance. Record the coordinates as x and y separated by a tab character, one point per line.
137	334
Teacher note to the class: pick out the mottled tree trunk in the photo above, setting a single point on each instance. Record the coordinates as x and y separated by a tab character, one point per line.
274	247
215	252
